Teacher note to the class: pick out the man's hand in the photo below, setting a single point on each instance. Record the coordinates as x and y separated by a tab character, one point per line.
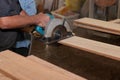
19	21
43	19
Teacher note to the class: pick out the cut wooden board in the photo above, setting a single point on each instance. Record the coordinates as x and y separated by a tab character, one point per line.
98	25
54	68
99	48
116	21
3	77
25	69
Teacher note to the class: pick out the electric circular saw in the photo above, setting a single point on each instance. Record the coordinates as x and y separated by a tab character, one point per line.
57	29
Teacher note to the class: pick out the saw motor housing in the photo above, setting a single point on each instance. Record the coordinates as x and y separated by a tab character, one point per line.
55	30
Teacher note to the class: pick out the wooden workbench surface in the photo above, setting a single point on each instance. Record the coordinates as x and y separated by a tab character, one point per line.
31	68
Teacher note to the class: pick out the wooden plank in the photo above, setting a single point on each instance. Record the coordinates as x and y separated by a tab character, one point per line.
118	8
99	48
116	21
98	25
54	68
6	76
91	8
3	77
25	69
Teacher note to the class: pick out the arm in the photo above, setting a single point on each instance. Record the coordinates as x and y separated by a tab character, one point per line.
18	21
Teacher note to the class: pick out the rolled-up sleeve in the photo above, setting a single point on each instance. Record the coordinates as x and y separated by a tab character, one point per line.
29	6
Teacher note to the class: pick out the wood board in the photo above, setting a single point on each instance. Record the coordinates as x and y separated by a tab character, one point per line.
3	77
23	68
118	16
99	25
116	21
54	68
99	48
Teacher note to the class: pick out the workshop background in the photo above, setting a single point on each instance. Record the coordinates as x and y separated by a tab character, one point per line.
82	63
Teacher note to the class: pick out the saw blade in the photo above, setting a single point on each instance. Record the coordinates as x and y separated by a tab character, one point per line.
59	32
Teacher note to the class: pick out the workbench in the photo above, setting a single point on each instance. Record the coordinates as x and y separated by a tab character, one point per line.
16	67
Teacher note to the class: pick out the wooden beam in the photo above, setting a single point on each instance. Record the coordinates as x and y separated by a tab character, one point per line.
24	69
118	8
3	77
54	68
99	25
116	21
99	48
91	8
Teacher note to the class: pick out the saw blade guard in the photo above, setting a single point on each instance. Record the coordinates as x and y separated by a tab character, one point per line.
53	24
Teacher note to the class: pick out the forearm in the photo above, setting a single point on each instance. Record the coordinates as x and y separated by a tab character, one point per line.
17	21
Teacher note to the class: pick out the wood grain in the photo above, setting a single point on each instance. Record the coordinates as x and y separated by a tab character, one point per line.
98	25
54	68
3	77
25	69
99	48
116	21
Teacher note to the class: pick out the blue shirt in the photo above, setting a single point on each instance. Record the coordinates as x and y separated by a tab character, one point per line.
29	6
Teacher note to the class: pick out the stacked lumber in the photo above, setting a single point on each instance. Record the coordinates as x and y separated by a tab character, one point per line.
98	25
17	67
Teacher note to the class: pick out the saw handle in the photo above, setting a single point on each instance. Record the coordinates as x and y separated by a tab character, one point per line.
40	29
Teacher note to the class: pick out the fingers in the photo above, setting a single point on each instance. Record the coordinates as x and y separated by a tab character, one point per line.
42	25
43	19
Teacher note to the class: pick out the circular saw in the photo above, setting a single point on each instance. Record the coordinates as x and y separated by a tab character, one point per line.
57	29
